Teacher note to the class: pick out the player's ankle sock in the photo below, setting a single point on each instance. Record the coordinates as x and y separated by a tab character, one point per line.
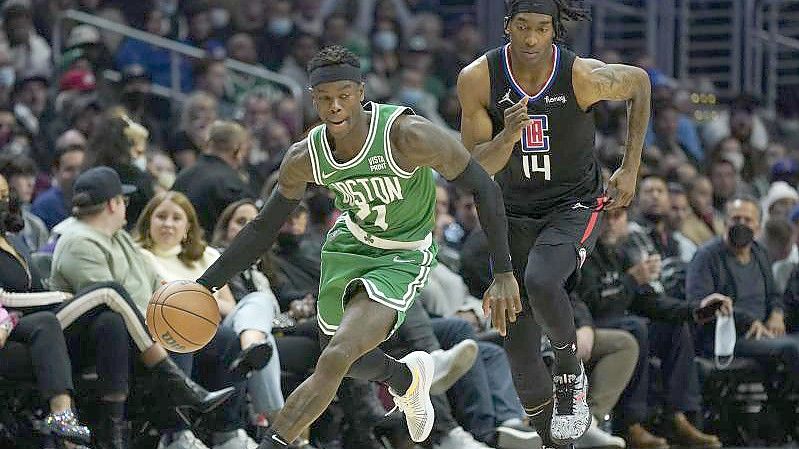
272	440
541	418
566	359
398	375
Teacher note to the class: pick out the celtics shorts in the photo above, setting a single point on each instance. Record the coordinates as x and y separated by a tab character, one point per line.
390	277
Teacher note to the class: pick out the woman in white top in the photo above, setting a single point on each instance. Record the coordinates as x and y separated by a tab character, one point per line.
171	239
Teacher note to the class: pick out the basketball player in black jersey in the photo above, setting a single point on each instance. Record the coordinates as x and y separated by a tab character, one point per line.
527	118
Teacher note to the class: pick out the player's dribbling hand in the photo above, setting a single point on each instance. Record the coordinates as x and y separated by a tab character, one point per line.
621	188
516	119
502	301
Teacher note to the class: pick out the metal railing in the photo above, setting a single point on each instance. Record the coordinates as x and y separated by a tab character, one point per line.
177	51
771	48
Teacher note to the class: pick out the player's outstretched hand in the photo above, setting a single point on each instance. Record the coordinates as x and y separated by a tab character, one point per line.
502	301
621	188
517	118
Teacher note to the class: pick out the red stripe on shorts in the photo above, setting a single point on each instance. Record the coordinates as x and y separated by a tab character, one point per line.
600	204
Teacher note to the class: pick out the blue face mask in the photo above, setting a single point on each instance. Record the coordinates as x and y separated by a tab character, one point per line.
281	27
386	40
7	76
412	96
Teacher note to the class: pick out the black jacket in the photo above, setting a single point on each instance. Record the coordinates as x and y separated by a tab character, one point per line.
143	181
211	185
790	300
709	273
14	276
606	292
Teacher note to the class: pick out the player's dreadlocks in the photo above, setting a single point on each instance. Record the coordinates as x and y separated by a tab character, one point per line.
333	55
566	10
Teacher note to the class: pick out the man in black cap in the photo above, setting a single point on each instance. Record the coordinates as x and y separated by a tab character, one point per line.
98	205
527	118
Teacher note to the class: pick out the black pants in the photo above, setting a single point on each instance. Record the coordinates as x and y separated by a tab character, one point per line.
673	344
546	254
99	324
36	350
209	367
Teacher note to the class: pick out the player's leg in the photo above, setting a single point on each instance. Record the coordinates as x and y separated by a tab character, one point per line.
531	376
548	269
364	326
551	266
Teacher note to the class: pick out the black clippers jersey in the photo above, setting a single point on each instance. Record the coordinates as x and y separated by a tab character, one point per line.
553	165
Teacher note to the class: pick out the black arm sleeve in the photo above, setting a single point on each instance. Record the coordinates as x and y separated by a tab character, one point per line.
251	242
491	211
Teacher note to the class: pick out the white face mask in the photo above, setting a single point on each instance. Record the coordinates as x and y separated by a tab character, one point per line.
141	162
725	340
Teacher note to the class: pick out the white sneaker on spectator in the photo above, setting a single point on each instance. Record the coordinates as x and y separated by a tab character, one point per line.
595	437
458	438
240	441
452	364
183	439
415	403
514	434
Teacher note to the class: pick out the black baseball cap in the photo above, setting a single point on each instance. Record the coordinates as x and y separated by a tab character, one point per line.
98	185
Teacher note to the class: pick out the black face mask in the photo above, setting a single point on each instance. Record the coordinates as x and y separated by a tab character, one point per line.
653	217
739	235
135	100
10	216
288	242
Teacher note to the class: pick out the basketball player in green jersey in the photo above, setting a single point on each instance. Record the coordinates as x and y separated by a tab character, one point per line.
378	160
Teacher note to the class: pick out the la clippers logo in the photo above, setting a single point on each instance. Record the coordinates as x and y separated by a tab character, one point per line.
534	138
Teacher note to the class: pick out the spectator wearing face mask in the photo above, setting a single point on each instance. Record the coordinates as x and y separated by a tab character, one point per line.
142	106
779	201
162	168
736	266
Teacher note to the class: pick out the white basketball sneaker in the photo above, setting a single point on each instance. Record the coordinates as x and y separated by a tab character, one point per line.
571	416
415	403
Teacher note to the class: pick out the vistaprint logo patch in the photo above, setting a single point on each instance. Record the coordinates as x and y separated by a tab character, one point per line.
377	163
556	99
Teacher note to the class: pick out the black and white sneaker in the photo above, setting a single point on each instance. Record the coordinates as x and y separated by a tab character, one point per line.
571	416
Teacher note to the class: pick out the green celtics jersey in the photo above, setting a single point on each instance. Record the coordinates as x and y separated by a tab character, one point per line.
383	201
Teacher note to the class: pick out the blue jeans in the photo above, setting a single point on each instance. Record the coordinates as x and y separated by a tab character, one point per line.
485	396
255	312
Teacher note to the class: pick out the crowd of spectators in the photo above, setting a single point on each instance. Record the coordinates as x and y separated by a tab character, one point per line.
117	188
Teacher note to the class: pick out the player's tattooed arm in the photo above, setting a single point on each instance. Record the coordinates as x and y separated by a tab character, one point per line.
595	81
476	129
255	239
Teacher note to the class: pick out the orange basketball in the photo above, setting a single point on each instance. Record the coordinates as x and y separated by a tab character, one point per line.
182	316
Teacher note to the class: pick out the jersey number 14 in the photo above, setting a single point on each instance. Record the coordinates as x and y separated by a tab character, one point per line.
535	148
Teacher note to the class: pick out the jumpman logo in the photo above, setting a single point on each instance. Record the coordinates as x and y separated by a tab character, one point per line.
506	98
